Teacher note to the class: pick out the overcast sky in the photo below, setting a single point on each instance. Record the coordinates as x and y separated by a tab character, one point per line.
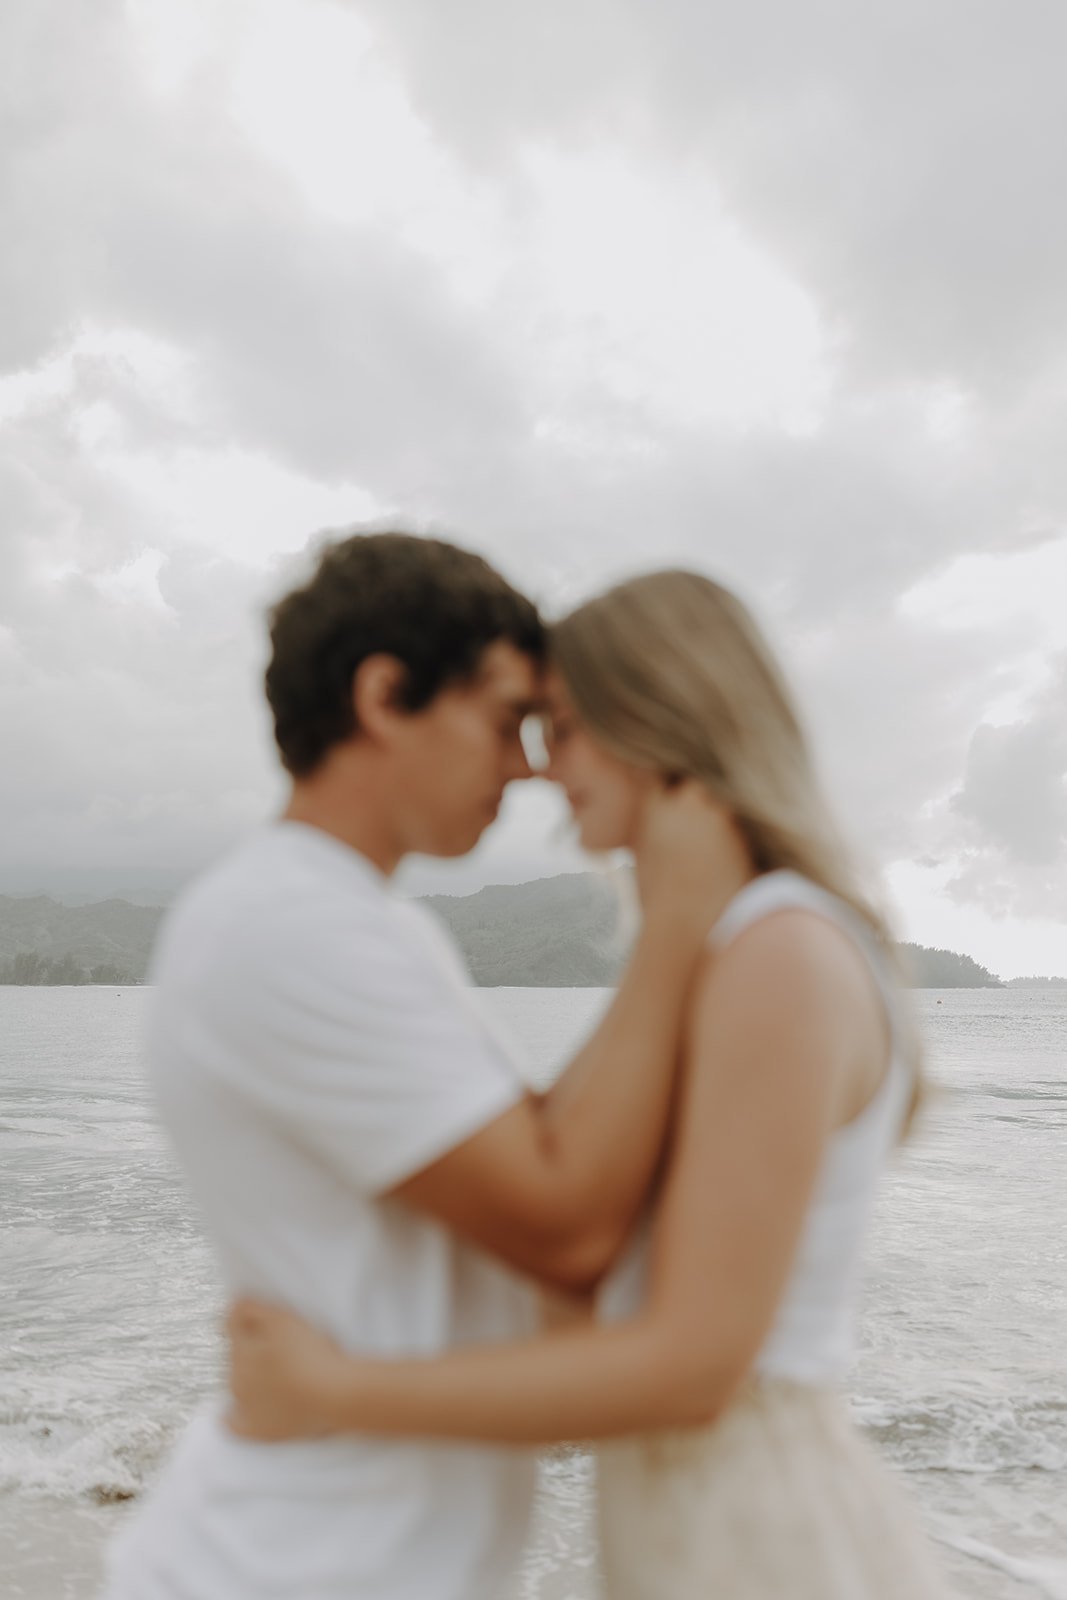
772	290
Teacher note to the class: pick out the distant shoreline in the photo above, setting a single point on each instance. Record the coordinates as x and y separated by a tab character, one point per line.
1019	984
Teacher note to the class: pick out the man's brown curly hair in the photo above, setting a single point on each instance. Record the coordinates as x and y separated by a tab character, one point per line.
430	604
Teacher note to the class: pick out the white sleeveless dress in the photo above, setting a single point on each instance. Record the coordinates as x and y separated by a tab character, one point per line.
780	1498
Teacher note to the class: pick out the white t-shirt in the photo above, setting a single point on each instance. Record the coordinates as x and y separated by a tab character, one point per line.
313	1042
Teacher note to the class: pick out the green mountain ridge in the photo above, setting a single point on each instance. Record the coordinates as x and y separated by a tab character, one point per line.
563	932
44	942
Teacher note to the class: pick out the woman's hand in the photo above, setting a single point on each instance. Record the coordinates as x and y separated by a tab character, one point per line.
285	1375
679	850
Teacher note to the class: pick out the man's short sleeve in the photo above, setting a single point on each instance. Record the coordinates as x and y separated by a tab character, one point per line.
374	1052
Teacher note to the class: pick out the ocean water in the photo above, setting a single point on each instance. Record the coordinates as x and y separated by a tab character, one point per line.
109	1311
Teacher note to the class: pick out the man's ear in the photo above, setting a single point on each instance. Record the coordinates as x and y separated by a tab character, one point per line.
377	689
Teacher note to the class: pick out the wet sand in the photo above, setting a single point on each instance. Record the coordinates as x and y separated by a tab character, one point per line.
54	1549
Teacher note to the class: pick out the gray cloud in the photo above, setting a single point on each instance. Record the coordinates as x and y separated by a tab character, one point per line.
135	743
1012	805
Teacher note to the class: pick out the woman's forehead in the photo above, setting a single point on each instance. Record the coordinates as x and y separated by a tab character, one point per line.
554	691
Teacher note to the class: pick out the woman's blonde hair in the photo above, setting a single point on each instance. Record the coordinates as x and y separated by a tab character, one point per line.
671	673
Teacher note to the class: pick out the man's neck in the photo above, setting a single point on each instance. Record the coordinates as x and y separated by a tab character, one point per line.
364	827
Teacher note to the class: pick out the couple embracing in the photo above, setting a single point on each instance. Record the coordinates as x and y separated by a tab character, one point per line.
392	1208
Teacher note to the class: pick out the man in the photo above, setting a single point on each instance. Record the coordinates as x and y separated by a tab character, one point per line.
357	1139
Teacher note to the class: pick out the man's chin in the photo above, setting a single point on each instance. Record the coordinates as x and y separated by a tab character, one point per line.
459	845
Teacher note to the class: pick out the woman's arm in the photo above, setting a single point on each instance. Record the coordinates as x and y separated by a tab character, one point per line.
584	1382
554	1185
775	1029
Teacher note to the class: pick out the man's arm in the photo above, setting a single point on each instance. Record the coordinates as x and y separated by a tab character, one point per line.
554	1185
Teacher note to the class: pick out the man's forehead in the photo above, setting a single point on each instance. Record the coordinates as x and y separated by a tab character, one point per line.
510	675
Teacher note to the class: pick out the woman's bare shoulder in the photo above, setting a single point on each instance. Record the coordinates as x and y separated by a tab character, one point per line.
791	968
790	945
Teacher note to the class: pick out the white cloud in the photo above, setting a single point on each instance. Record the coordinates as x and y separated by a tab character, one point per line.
639	284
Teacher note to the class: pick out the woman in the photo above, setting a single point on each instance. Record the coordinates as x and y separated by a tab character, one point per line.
727	1465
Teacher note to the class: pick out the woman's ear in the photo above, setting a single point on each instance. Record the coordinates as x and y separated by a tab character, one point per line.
377	688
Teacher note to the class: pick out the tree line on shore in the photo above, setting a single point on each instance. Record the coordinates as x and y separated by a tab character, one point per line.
30	967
